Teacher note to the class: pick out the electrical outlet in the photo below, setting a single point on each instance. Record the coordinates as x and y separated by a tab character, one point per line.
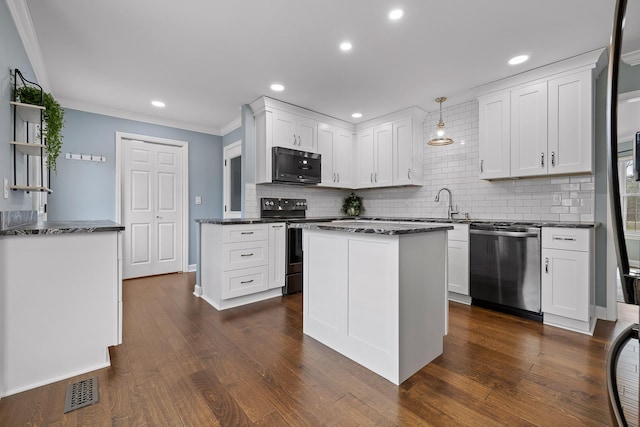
5	188
198	200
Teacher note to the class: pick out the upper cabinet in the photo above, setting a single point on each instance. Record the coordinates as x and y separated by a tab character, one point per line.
335	146
541	122
382	152
294	131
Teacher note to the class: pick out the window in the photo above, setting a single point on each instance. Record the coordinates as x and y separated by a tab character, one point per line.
629	196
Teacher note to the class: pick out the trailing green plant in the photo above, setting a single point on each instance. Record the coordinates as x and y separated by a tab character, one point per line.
53	118
352	205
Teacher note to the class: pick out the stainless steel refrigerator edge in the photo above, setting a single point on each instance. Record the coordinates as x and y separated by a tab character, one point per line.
629	278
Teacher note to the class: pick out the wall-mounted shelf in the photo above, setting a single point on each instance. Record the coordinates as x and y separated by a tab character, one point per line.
30	149
28	113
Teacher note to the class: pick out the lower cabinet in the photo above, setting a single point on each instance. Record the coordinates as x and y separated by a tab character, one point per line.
241	263
568	291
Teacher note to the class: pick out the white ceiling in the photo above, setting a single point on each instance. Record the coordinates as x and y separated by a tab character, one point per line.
205	58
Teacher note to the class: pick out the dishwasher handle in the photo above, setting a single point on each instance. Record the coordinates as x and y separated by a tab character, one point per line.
506	233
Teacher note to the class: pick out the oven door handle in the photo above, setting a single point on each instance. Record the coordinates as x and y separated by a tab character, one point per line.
505	233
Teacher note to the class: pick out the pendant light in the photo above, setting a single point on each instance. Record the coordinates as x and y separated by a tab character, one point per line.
440	136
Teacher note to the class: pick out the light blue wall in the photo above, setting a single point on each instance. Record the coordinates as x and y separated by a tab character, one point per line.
231	137
12	55
86	190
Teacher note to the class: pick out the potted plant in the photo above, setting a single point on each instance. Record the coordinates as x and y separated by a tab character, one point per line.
352	205
53	118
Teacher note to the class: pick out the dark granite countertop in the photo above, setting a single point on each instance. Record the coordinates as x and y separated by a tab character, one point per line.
62	227
369	227
388	219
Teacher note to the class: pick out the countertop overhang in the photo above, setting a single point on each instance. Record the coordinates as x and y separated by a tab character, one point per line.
62	227
371	227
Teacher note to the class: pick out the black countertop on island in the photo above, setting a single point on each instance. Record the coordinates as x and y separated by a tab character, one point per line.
371	227
62	227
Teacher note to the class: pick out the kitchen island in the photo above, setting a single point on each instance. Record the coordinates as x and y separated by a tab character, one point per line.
376	292
60	299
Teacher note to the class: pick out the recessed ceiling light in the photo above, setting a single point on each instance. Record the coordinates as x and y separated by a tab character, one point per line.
396	14
518	59
356	115
158	104
277	87
345	46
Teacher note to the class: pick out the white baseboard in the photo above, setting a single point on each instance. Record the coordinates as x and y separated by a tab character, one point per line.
197	290
601	313
192	267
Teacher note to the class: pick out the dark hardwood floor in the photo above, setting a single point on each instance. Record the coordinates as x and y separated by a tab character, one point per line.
185	364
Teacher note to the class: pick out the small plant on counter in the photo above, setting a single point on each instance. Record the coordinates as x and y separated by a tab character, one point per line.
352	205
53	118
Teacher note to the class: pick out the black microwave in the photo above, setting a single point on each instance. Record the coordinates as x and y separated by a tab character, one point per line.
295	167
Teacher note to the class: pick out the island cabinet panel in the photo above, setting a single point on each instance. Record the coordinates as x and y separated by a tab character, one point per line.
378	299
58	318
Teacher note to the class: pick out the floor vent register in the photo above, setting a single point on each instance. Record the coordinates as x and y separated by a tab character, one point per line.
80	394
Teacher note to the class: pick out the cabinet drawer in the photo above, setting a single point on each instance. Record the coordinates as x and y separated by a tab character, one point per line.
571	239
245	254
237	283
244	233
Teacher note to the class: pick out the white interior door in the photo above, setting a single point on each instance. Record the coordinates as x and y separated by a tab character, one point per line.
151	208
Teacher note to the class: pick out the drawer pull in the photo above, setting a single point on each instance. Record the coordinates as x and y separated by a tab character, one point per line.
246	232
546	265
246	281
251	254
277	226
564	239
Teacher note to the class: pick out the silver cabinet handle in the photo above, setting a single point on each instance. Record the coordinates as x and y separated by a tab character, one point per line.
481	166
294	139
371	177
564	239
246	232
277	226
246	281
334	177
299	141
338	175
409	173
546	265
553	158
541	159
251	254
375	176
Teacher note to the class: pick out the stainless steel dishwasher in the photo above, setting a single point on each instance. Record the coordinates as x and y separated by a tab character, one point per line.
504	269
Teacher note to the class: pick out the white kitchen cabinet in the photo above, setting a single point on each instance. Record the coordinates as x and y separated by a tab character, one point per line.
570	123
529	130
277	254
407	152
241	263
335	146
542	120
294	131
375	157
568	291
495	128
458	259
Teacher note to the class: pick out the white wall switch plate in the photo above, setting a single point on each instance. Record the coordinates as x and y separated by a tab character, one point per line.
5	188
198	200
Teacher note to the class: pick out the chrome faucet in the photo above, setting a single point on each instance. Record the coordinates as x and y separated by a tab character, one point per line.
450	211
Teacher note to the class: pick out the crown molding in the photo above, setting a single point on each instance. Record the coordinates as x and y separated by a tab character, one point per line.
632	58
231	126
128	115
22	19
